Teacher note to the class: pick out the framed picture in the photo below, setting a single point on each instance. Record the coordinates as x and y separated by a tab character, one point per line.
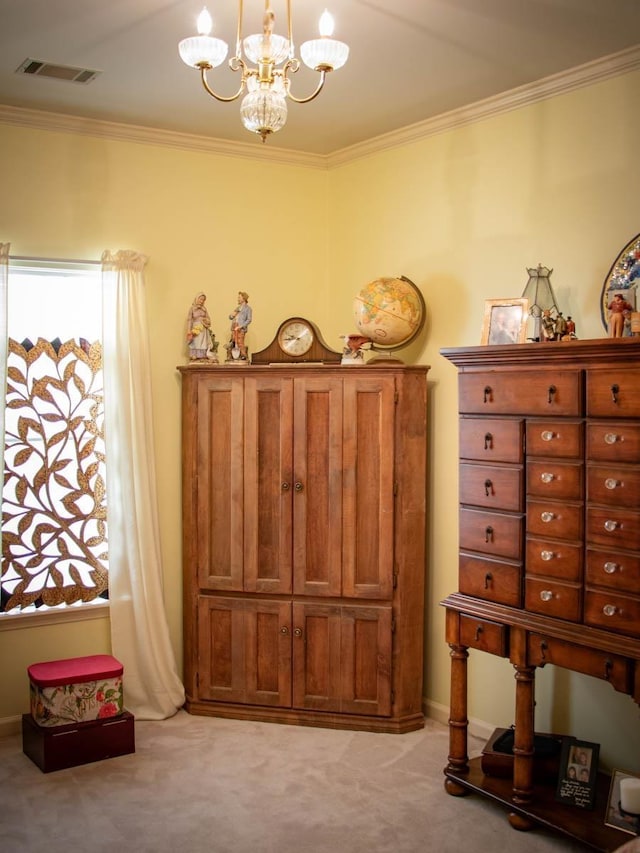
578	773
622	279
505	321
624	799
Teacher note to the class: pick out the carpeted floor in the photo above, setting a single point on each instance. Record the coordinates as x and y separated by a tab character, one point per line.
199	784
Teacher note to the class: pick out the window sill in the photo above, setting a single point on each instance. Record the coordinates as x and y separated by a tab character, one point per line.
10	622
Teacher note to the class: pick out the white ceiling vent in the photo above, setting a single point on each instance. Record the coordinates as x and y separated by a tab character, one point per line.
57	72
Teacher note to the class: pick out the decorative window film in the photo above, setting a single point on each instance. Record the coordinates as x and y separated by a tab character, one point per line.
54	513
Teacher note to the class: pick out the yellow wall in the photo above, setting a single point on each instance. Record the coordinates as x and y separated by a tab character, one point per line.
462	213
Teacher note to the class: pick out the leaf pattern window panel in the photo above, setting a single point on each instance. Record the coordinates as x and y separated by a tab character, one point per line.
54	507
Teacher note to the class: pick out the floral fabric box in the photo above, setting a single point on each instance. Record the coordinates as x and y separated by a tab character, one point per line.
75	690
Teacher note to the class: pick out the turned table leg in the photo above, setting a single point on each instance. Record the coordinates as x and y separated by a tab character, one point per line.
458	722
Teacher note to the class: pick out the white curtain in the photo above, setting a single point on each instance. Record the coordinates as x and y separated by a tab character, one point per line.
139	631
4	341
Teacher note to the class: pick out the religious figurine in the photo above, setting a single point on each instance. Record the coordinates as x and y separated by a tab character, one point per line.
548	326
240	317
619	311
201	342
354	347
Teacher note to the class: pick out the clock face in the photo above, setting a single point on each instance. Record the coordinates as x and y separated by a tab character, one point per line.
296	337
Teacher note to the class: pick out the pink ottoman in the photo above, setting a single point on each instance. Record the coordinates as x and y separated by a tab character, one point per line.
75	690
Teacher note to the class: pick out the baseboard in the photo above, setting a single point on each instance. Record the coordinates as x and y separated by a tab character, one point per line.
440	713
10	726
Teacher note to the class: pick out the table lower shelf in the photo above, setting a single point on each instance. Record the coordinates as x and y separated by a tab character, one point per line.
581	825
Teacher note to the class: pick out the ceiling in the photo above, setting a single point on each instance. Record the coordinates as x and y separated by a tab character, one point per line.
410	60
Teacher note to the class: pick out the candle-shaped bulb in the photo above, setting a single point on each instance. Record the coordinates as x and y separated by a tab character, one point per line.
326	24
204	22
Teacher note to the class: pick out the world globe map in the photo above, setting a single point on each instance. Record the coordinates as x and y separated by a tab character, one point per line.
389	311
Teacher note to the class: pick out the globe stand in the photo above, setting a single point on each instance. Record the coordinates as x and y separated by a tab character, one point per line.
383	356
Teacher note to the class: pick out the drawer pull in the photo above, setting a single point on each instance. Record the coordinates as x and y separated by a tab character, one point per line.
609	610
611	484
543	650
285	487
610	525
487	580
297	632
608	666
488	534
488	441
547	516
615	390
488	488
547	477
479	631
547	435
552	392
547	555
284	630
611	568
611	438
298	487
546	595
487	393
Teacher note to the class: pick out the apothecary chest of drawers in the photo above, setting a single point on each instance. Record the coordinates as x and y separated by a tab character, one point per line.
549	559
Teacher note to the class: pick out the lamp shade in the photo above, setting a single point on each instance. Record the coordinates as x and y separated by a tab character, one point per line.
264	46
324	53
202	50
263	111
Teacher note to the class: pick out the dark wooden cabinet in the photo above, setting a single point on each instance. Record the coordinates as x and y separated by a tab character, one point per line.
304	492
549	566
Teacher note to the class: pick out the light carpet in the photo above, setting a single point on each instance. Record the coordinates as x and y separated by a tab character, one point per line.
199	784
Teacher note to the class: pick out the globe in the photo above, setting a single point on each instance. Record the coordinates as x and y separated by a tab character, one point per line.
389	311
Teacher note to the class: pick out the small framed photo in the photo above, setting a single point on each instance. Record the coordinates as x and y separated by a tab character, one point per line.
623	807
505	321
578	773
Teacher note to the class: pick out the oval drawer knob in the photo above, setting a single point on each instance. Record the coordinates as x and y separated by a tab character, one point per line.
546	595
609	610
610	525
284	630
547	435
547	516
297	632
611	438
547	555
611	484
611	568
547	477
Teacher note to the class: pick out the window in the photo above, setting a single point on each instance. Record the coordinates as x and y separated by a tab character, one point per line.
54	509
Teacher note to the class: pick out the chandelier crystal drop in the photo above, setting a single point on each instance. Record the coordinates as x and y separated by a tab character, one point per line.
267	85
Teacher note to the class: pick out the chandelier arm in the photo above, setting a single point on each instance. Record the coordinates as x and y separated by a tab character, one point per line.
203	77
323	74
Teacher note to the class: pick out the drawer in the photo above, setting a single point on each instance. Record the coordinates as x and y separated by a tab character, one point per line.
499	487
614	486
555	520
612	611
615	528
491	439
528	392
484	635
552	598
612	668
613	393
554	559
491	533
614	569
613	442
555	480
554	438
493	580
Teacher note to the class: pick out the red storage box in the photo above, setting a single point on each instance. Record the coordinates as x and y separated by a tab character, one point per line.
80	743
75	690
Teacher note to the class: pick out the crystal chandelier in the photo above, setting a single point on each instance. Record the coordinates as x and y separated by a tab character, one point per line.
267	85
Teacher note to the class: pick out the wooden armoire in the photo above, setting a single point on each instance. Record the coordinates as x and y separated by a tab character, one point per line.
304	493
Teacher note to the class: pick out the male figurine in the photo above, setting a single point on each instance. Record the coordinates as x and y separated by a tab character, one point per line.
619	310
240	318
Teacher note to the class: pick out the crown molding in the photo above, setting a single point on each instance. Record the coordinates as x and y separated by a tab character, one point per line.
63	123
557	84
549	87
